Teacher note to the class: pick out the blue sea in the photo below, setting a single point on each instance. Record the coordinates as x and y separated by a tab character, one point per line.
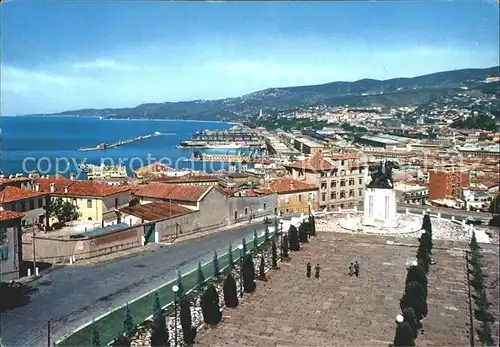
49	144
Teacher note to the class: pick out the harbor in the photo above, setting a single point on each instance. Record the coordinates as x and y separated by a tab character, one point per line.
237	137
104	146
220	158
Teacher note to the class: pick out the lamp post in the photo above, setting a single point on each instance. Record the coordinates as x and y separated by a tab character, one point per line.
309	207
175	288
240	247
48	333
281	240
399	319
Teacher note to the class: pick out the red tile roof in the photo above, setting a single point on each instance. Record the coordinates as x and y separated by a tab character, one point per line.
10	180
288	185
190	177
315	163
8	215
171	192
78	188
156	210
9	194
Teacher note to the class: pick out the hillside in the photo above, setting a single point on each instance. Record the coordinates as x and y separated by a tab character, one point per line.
393	92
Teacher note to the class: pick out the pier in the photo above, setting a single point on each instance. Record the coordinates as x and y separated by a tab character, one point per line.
222	158
104	146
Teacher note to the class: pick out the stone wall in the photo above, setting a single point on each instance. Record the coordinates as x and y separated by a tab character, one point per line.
59	250
242	207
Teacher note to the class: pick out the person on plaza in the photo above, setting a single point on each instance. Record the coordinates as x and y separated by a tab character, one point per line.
317	268
308	270
356	268
351	270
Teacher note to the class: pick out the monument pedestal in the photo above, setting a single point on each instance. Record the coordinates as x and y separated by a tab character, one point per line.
380	208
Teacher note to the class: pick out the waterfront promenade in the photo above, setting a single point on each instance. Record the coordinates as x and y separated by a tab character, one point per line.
74	295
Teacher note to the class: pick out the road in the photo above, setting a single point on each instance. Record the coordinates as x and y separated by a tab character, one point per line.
72	295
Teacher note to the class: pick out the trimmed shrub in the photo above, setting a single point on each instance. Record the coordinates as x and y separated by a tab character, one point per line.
201	276
248	274
159	332
215	265
210	306
186	321
230	292
404	335
293	238
274	255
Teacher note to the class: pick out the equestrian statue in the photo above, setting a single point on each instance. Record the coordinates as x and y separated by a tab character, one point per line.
381	174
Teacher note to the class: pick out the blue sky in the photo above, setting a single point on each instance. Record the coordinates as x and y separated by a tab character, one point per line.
66	55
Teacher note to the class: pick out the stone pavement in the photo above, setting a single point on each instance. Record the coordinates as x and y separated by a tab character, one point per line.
336	310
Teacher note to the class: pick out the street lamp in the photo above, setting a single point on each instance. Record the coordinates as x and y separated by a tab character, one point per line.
175	288
281	240
309	207
240	247
399	319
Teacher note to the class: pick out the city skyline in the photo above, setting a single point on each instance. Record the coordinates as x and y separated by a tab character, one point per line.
64	56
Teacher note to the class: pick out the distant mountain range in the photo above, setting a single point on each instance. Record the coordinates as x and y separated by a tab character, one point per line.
366	92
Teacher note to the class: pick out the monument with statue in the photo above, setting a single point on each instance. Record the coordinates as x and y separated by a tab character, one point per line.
380	208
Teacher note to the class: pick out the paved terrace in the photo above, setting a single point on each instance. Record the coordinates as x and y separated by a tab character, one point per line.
291	310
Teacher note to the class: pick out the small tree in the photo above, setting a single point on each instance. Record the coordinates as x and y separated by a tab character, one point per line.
262	268
473	242
95	340
483	305
201	276
62	210
255	241
285	247
180	292
404	335
303	232
274	255
484	334
423	253
186	321
244	244
210	306
230	256
417	274
312	221
410	317
215	265
128	324
248	274
230	291
414	298
293	238
266	233
159	331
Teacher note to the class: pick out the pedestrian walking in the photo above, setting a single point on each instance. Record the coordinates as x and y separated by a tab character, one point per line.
356	268
308	270
351	270
317	268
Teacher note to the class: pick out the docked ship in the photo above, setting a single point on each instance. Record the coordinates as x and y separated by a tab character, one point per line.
232	145
95	172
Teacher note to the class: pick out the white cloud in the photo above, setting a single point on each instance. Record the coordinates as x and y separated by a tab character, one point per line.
103	64
18	80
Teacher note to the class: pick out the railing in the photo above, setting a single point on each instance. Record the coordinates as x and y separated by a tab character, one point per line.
110	323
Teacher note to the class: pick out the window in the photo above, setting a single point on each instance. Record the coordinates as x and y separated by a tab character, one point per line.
360	192
360	181
287	199
342	183
74	202
351	193
32	204
40	202
342	162
265	206
323	185
335	172
333	184
235	215
89	203
116	202
323	175
23	206
342	194
351	182
246	211
332	196
323	196
300	197
310	196
4	253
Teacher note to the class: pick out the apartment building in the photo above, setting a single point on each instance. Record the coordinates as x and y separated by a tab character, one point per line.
340	178
447	183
